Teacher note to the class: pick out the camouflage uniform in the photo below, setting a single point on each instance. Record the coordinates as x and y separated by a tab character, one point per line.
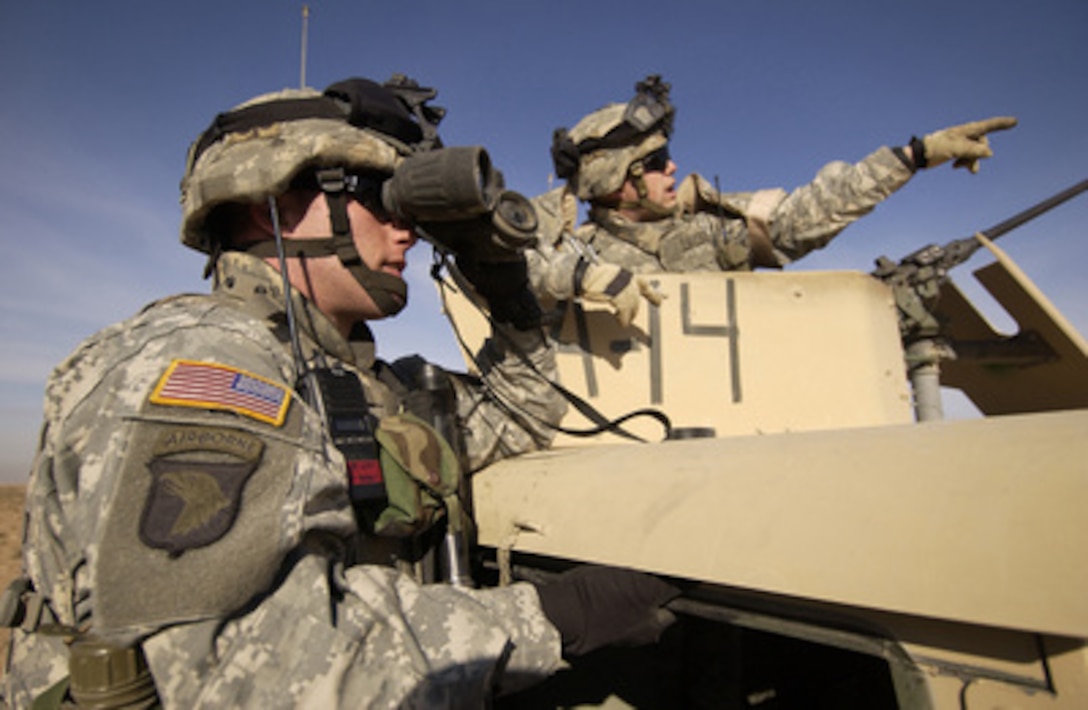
286	623
709	231
554	258
710	234
186	501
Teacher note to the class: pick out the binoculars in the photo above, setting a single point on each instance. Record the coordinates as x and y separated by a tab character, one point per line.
456	200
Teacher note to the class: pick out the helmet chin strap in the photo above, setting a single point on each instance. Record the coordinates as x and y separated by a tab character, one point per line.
657	210
389	292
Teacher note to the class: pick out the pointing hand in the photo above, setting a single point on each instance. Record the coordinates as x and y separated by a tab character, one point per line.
966	143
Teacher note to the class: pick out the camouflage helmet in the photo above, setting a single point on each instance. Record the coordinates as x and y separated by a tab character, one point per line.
256	149
595	155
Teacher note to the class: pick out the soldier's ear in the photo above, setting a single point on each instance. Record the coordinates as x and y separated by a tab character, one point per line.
261	217
291	207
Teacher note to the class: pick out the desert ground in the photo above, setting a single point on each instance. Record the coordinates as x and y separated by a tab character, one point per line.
11	529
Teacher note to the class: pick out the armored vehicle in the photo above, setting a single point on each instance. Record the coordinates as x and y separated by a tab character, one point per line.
839	543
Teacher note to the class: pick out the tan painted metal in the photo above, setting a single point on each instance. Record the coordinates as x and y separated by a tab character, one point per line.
979	521
743	353
997	385
959	544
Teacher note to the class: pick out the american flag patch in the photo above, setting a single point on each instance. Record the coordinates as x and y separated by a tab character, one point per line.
208	385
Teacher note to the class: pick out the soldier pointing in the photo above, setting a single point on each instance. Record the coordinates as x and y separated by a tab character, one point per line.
641	218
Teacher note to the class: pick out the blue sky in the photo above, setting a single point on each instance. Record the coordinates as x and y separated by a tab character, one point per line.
101	99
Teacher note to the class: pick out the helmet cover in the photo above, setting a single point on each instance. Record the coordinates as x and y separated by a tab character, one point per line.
257	148
595	155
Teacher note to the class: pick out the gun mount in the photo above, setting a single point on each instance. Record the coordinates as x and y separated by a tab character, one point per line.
933	316
916	279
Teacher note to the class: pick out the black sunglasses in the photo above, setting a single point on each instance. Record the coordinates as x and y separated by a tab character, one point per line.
657	161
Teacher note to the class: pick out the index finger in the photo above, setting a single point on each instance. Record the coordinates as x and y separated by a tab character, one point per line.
997	123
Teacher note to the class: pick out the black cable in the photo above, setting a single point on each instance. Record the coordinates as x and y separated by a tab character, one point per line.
585	408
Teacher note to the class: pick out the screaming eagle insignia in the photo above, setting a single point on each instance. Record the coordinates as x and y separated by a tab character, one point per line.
197	478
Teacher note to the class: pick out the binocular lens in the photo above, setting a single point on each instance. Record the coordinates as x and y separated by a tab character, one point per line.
455	197
442	185
515	221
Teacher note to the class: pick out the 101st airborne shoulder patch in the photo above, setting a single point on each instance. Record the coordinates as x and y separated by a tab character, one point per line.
209	385
197	477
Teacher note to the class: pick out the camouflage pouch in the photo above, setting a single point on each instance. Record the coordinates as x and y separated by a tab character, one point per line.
422	477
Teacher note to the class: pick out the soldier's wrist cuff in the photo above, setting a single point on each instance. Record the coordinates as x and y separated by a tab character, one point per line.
918	150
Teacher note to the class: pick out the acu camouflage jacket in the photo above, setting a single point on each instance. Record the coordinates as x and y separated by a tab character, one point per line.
186	498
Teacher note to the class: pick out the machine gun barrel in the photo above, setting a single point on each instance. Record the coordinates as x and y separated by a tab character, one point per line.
916	279
961	249
1032	212
958	251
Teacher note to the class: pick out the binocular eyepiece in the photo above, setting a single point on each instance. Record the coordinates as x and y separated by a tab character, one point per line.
457	201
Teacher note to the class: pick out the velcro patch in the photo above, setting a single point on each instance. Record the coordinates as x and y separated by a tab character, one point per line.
208	385
194	502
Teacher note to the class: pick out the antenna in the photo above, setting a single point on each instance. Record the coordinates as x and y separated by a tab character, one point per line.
302	61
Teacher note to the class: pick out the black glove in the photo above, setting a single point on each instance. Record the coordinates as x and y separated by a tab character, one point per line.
596	606
505	285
